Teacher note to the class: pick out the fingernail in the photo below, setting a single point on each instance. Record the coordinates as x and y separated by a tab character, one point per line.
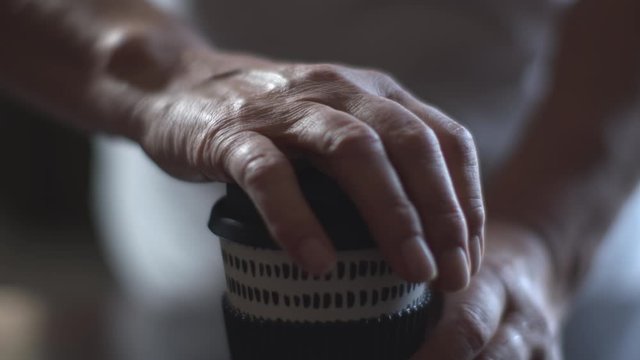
475	253
454	266
315	256
419	261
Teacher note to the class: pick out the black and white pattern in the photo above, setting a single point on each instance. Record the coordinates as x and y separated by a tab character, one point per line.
266	284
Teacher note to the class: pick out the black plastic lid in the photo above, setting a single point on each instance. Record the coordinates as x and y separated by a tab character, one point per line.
234	217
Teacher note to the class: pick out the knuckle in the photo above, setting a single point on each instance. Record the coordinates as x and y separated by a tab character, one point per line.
211	151
461	133
322	73
243	108
325	84
381	111
401	128
514	343
415	139
390	86
460	141
381	107
476	213
537	323
383	78
352	138
452	221
259	167
387	78
511	346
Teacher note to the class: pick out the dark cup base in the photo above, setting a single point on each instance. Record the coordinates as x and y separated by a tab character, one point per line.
392	337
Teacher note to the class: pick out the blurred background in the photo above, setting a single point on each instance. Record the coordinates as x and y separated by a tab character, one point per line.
55	289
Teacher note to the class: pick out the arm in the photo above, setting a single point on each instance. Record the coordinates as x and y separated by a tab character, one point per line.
89	62
552	202
579	160
123	67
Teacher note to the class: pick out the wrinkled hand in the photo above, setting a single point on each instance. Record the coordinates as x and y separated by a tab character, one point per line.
508	311
411	171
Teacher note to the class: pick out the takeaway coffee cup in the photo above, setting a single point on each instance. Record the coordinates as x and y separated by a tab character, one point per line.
275	310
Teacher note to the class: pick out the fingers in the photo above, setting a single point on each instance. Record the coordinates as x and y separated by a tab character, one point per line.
460	153
409	172
489	321
266	175
416	155
507	344
521	337
471	319
354	155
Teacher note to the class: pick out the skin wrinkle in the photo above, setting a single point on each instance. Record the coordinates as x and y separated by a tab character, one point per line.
518	284
233	128
221	76
568	193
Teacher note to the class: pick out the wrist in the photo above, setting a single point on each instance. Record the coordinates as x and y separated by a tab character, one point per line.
525	255
559	209
142	66
551	262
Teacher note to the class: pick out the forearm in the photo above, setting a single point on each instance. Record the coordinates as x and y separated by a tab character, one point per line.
578	162
82	59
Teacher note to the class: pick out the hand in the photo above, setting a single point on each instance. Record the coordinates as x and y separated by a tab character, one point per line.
411	171
509	310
